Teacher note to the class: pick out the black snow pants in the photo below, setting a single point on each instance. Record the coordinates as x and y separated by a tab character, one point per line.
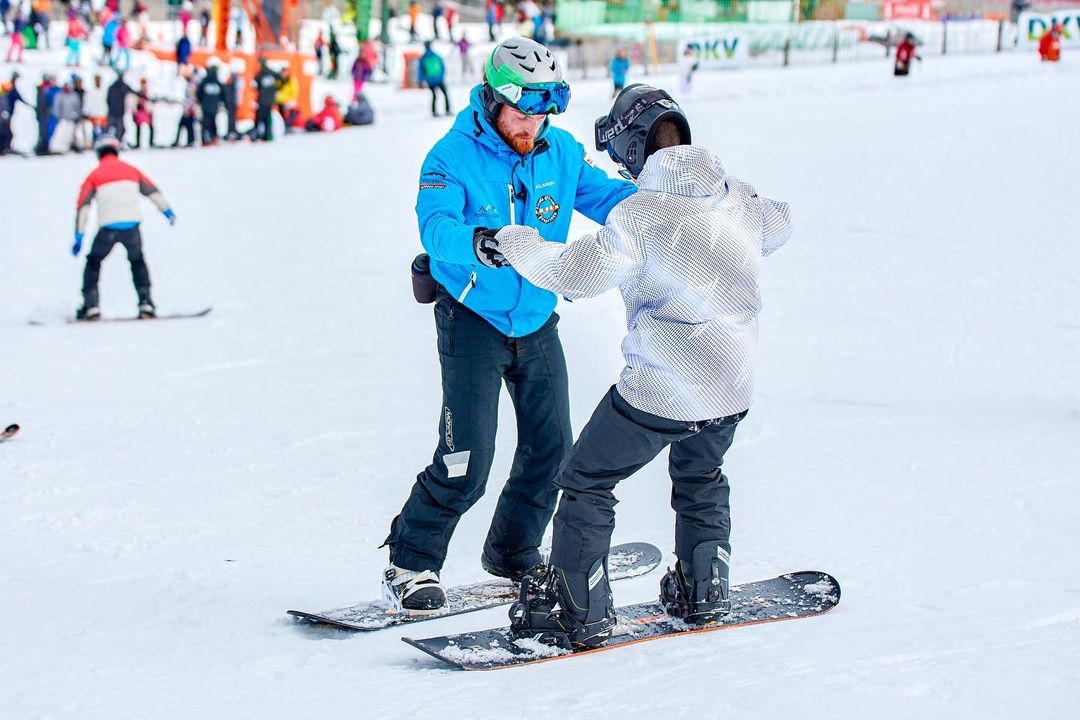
263	129
618	441
104	241
476	360
435	89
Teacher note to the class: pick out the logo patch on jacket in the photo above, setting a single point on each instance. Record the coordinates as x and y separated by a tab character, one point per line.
547	209
433	181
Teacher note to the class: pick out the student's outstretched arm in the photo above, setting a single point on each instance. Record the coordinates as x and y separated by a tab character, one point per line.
584	268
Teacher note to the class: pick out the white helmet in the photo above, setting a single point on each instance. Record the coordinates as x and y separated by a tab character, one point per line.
524	74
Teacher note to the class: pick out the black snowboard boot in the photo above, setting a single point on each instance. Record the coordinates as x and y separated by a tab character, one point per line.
88	312
700	596
585	616
413	592
146	305
499	570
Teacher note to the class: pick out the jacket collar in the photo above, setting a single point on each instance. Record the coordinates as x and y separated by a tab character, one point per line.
472	122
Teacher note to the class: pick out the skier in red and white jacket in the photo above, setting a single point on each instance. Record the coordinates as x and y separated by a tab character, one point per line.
117	187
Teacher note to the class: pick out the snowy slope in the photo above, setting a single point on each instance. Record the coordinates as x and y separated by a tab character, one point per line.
178	485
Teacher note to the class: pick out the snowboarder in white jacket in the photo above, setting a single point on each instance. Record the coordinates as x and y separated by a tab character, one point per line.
684	251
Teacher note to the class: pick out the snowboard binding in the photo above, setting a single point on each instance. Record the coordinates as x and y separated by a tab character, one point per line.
702	598
585	617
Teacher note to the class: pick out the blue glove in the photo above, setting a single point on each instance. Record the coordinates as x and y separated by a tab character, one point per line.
170	216
78	244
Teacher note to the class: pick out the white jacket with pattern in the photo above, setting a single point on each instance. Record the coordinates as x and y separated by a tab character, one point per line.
684	251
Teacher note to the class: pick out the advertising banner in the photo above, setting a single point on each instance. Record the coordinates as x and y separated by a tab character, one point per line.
1033	25
719	51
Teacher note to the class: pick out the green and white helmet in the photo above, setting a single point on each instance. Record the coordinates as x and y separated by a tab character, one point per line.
525	75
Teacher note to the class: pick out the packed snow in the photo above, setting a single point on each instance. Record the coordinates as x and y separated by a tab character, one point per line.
178	485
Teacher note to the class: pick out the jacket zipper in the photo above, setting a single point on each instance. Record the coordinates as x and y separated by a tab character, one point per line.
510	187
468	288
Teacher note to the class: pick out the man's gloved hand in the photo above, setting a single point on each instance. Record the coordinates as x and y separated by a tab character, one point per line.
170	216
78	244
487	248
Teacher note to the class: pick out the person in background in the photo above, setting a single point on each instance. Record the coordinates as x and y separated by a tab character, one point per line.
187	12
211	96
67	109
143	115
464	46
9	98
231	99
46	91
414	15
335	55
117	187
76	33
122	56
95	107
320	51
451	17
326	120
688	65
437	11
490	15
266	88
189	112
238	18
111	22
620	64
183	53
432	72
204	25
905	51
116	102
288	92
1050	44
16	44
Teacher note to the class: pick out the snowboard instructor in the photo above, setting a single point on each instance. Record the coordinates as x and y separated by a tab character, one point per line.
501	164
116	186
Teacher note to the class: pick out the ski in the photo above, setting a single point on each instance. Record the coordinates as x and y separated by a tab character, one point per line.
624	561
788	597
9	432
169	316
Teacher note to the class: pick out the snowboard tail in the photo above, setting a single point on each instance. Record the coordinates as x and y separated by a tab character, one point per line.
624	561
788	597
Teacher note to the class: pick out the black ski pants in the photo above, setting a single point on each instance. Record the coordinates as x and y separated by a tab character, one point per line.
617	442
263	128
104	242
476	360
435	89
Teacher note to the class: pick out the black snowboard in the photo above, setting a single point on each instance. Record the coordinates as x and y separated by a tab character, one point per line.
166	316
797	595
624	561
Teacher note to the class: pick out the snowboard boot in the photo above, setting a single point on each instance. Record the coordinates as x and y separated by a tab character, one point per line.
88	312
699	596
413	592
585	617
146	305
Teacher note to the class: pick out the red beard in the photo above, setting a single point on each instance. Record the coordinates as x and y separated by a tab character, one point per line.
521	144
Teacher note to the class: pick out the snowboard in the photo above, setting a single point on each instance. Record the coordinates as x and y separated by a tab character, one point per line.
788	597
9	432
624	561
166	316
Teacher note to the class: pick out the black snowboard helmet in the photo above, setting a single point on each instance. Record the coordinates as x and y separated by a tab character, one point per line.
628	132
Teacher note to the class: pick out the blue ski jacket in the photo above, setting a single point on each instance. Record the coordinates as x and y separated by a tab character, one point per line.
471	178
431	69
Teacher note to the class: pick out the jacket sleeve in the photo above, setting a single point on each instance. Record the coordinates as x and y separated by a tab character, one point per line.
440	211
597	193
776	228
585	268
150	190
82	205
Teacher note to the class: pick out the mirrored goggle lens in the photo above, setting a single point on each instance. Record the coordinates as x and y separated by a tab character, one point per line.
548	98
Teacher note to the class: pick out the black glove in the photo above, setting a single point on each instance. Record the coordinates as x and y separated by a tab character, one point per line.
486	247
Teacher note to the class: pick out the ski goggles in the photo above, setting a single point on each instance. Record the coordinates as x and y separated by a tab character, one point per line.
538	98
